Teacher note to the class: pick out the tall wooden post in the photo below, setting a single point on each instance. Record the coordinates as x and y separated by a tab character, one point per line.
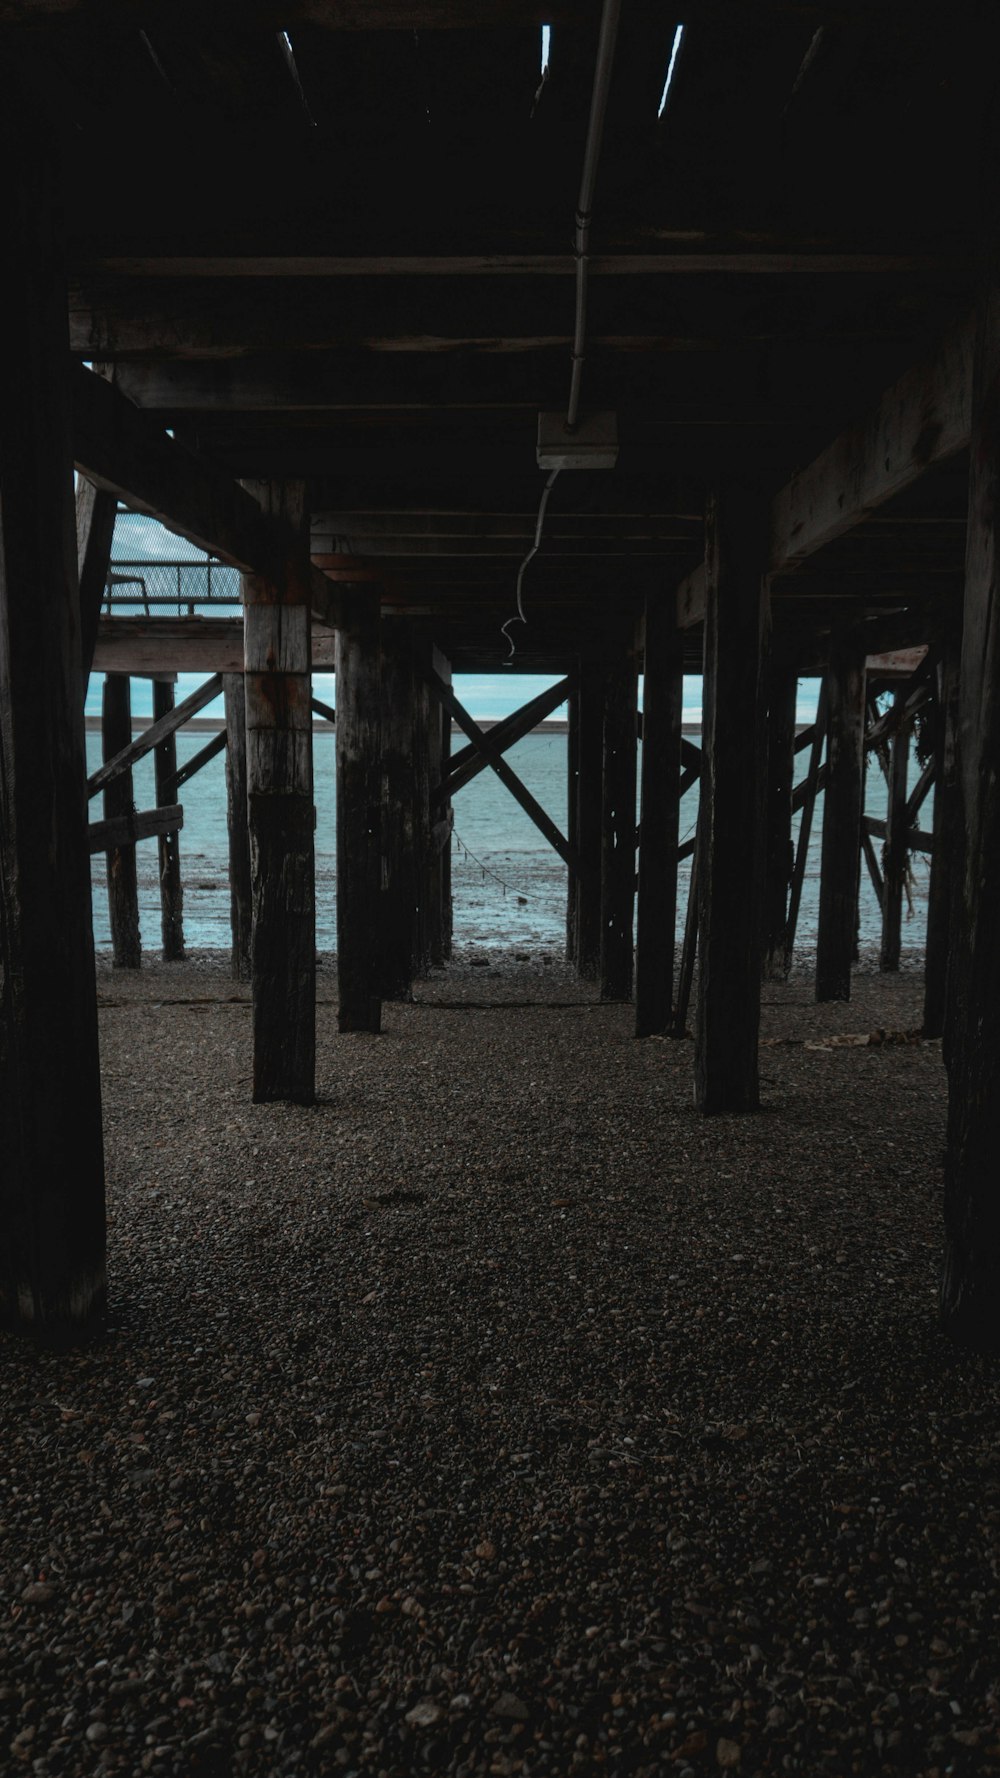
171	888
123	889
730	828
895	853
779	850
970	1289
359	824
426	731
842	809
944	893
52	1240
399	865
240	892
662	699
278	691
588	817
439	859
572	817
618	822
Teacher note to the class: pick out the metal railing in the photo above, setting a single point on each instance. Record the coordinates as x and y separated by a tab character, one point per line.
182	587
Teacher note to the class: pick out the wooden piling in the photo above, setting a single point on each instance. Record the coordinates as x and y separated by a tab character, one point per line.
779	850
618	821
439	858
842	810
944	895
572	817
656	923
359	789
240	892
52	1229
399	892
895	856
970	1288
277	688
730	830
123	888
171	887
590	759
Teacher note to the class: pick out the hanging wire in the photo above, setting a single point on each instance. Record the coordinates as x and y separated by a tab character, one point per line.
485	868
533	551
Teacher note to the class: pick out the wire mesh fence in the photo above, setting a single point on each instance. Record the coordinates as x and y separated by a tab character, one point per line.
151	571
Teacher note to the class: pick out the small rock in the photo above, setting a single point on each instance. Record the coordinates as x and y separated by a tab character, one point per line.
511	1708
728	1754
38	1593
97	1731
424	1715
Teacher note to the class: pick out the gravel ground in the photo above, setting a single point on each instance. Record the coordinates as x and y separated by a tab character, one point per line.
501	1415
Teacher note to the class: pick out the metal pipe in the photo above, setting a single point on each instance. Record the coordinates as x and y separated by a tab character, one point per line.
606	41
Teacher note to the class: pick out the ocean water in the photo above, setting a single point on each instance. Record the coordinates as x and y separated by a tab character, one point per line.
509	888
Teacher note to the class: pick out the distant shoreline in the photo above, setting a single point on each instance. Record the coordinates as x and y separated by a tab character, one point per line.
213	725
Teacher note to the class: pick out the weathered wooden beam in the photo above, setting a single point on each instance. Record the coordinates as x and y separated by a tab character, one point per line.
918	795
151	737
196	763
842	811
277	689
95	530
656	923
923	419
730	855
327	711
944	895
399	886
894	852
124	451
171	886
689	948
495	760
468	762
123	887
916	839
970	1288
52	1225
572	818
868	853
138	824
779	848
359	805
234	739
618	819
437	864
186	645
588	820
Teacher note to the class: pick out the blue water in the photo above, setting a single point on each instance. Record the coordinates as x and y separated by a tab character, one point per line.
509	888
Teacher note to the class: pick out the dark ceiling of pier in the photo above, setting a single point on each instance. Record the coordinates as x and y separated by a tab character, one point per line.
346	254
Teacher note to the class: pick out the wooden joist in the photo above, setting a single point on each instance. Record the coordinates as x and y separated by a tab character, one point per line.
187	645
917	838
140	824
151	737
194	765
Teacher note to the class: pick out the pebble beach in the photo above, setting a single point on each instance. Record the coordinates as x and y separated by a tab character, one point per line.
501	1415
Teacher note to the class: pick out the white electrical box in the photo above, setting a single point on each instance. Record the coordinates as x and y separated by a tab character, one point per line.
592	443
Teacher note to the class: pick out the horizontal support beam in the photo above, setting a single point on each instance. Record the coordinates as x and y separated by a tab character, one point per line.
187	645
152	736
125	830
750	262
917	839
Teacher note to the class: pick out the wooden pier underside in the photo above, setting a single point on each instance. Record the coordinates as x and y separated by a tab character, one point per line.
329	374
